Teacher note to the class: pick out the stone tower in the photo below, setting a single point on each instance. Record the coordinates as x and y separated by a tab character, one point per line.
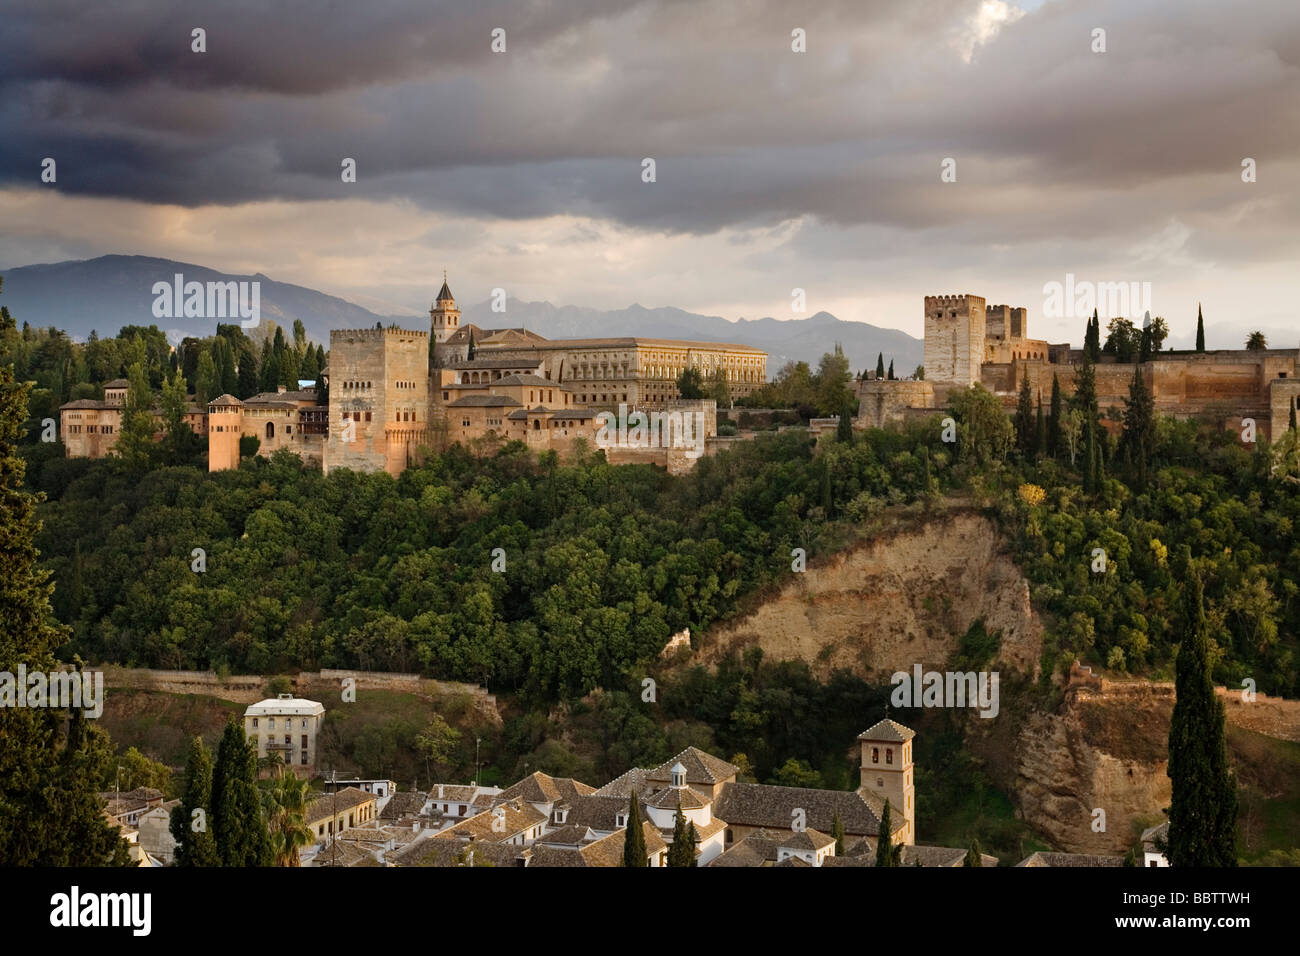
954	338
444	317
379	399
887	766
225	425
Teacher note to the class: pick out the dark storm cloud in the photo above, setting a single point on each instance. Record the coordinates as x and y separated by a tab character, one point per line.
1049	137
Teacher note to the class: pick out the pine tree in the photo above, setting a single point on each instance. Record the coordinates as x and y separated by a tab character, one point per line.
1025	418
1054	420
1203	805
241	836
880	365
974	856
634	852
837	831
49	809
135	447
194	843
682	850
1200	329
886	853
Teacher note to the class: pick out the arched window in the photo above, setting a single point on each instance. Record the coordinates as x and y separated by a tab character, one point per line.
270	429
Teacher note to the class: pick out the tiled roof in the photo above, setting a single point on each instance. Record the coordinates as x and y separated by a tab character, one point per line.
87	403
762	805
633	781
118	383
543	788
526	379
575	413
453	792
607	851
403	802
700	767
599	813
673	798
939	856
757	849
793	861
519	816
805	840
326	804
490	363
889	732
342	854
1151	834
226	399
483	401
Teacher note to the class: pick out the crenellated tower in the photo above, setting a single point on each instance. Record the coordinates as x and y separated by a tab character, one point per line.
954	338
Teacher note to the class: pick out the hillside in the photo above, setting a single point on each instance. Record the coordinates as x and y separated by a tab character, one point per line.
111	291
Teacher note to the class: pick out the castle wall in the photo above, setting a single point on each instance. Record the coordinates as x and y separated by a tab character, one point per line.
881	401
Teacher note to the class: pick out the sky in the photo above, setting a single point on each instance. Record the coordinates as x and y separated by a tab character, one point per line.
774	170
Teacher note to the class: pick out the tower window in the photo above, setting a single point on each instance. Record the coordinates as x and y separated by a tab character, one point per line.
875	755
889	755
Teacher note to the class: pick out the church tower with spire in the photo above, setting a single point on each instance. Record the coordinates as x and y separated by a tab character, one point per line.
444	317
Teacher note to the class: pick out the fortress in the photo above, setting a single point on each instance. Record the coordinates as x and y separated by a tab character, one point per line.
393	392
968	342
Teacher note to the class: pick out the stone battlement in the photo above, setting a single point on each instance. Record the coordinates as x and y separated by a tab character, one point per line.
375	334
949	301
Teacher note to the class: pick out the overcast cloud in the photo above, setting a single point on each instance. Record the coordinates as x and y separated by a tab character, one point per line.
775	169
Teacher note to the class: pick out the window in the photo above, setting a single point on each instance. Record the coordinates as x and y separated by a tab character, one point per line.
367	416
303	761
254	723
270	429
889	755
271	723
304	743
875	755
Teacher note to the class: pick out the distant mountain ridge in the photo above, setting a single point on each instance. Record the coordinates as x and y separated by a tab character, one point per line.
111	291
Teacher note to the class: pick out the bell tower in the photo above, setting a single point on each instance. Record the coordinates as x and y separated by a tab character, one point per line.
887	772
444	317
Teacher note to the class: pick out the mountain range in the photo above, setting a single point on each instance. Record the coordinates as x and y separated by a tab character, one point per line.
111	291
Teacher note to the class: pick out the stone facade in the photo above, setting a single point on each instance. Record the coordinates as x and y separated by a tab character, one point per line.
379	399
1225	385
954	338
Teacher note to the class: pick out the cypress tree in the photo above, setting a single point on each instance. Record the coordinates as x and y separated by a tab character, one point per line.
49	807
1203	807
1139	426
1200	329
880	365
226	367
247	380
890	373
469	352
241	836
886	853
837	831
1025	418
974	856
1054	420
195	847
1293	414
1085	399
844	430
1040	430
682	850
634	853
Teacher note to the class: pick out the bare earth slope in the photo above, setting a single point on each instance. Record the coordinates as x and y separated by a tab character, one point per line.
902	599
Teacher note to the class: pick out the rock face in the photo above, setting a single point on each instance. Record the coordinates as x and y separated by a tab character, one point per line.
903	599
1101	751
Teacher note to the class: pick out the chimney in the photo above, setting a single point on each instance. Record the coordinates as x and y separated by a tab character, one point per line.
279	390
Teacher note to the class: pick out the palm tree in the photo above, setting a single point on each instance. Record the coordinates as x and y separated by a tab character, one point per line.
286	807
1256	342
